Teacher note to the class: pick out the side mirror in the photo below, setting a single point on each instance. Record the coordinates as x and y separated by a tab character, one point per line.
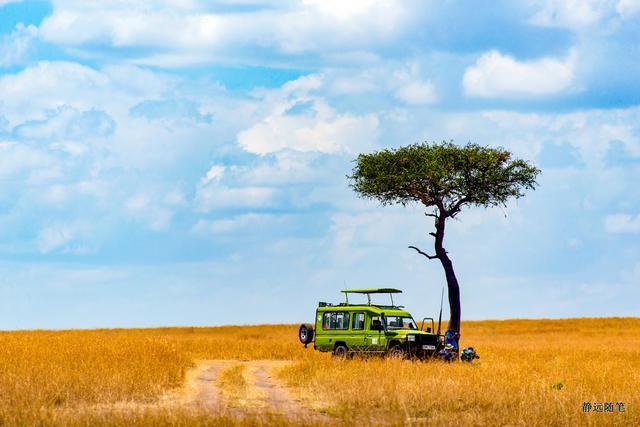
428	330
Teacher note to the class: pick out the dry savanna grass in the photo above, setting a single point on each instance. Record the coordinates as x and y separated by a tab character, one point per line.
531	372
234	386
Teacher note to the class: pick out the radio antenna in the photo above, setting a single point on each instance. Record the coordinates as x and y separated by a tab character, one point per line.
440	316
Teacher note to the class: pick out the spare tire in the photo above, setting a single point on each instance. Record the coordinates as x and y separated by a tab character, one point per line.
305	333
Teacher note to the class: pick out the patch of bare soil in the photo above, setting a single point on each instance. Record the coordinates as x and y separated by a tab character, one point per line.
260	393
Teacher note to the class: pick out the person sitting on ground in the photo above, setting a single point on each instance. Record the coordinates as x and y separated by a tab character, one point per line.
447	353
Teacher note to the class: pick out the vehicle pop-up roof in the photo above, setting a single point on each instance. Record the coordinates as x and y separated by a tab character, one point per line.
369	291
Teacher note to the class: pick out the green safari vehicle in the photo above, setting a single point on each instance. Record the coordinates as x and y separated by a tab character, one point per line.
345	329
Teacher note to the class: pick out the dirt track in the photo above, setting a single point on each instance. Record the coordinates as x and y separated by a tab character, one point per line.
263	393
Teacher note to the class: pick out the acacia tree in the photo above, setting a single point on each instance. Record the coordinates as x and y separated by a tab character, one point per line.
445	178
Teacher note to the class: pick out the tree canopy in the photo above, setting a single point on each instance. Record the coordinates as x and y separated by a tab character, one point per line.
443	175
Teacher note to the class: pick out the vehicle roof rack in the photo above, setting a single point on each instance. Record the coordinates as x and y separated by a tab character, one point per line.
372	291
369	291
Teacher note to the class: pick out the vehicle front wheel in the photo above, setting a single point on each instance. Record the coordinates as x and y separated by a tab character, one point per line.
396	352
341	351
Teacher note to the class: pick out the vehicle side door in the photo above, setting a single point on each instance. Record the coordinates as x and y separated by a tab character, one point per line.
375	339
358	332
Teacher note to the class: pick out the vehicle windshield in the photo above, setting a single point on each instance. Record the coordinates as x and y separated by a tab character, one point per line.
399	322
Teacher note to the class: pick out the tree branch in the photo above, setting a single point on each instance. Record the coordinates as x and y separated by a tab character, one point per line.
422	253
431	215
456	206
433	234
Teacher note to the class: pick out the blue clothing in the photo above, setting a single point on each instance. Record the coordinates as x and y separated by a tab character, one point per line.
450	338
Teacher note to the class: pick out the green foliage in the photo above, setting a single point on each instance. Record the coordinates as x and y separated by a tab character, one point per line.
444	175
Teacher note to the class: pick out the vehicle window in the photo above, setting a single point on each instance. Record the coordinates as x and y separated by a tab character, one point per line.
375	320
326	320
333	320
342	320
400	322
358	321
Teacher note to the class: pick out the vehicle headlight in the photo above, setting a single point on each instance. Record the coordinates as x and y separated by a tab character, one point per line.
411	337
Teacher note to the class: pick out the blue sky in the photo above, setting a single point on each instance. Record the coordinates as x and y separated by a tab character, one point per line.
174	163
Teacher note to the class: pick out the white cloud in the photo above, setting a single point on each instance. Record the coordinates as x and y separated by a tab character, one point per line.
67	123
186	33
14	47
153	210
354	85
498	75
212	193
52	238
408	84
298	120
326	132
19	161
137	204
211	197
417	92
568	13
74	237
215	172
628	8
287	168
174	198
48	85
622	223
238	223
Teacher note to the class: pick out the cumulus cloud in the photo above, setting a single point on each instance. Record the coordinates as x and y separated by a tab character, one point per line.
67	123
48	85
212	193
213	197
628	8
170	109
25	163
52	238
214	173
238	223
323	131
15	47
154	209
501	76
298	120
417	92
186	32
74	237
622	223
568	13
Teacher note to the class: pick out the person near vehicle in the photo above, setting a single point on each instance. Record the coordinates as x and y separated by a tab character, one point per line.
447	353
452	338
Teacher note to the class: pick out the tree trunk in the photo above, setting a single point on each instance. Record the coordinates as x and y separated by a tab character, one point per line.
453	290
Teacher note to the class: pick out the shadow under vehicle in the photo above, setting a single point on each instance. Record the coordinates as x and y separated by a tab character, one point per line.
345	329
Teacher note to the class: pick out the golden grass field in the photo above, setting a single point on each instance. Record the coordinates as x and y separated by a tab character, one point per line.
81	377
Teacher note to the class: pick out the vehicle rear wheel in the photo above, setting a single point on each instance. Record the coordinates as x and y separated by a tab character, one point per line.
305	333
340	351
396	352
